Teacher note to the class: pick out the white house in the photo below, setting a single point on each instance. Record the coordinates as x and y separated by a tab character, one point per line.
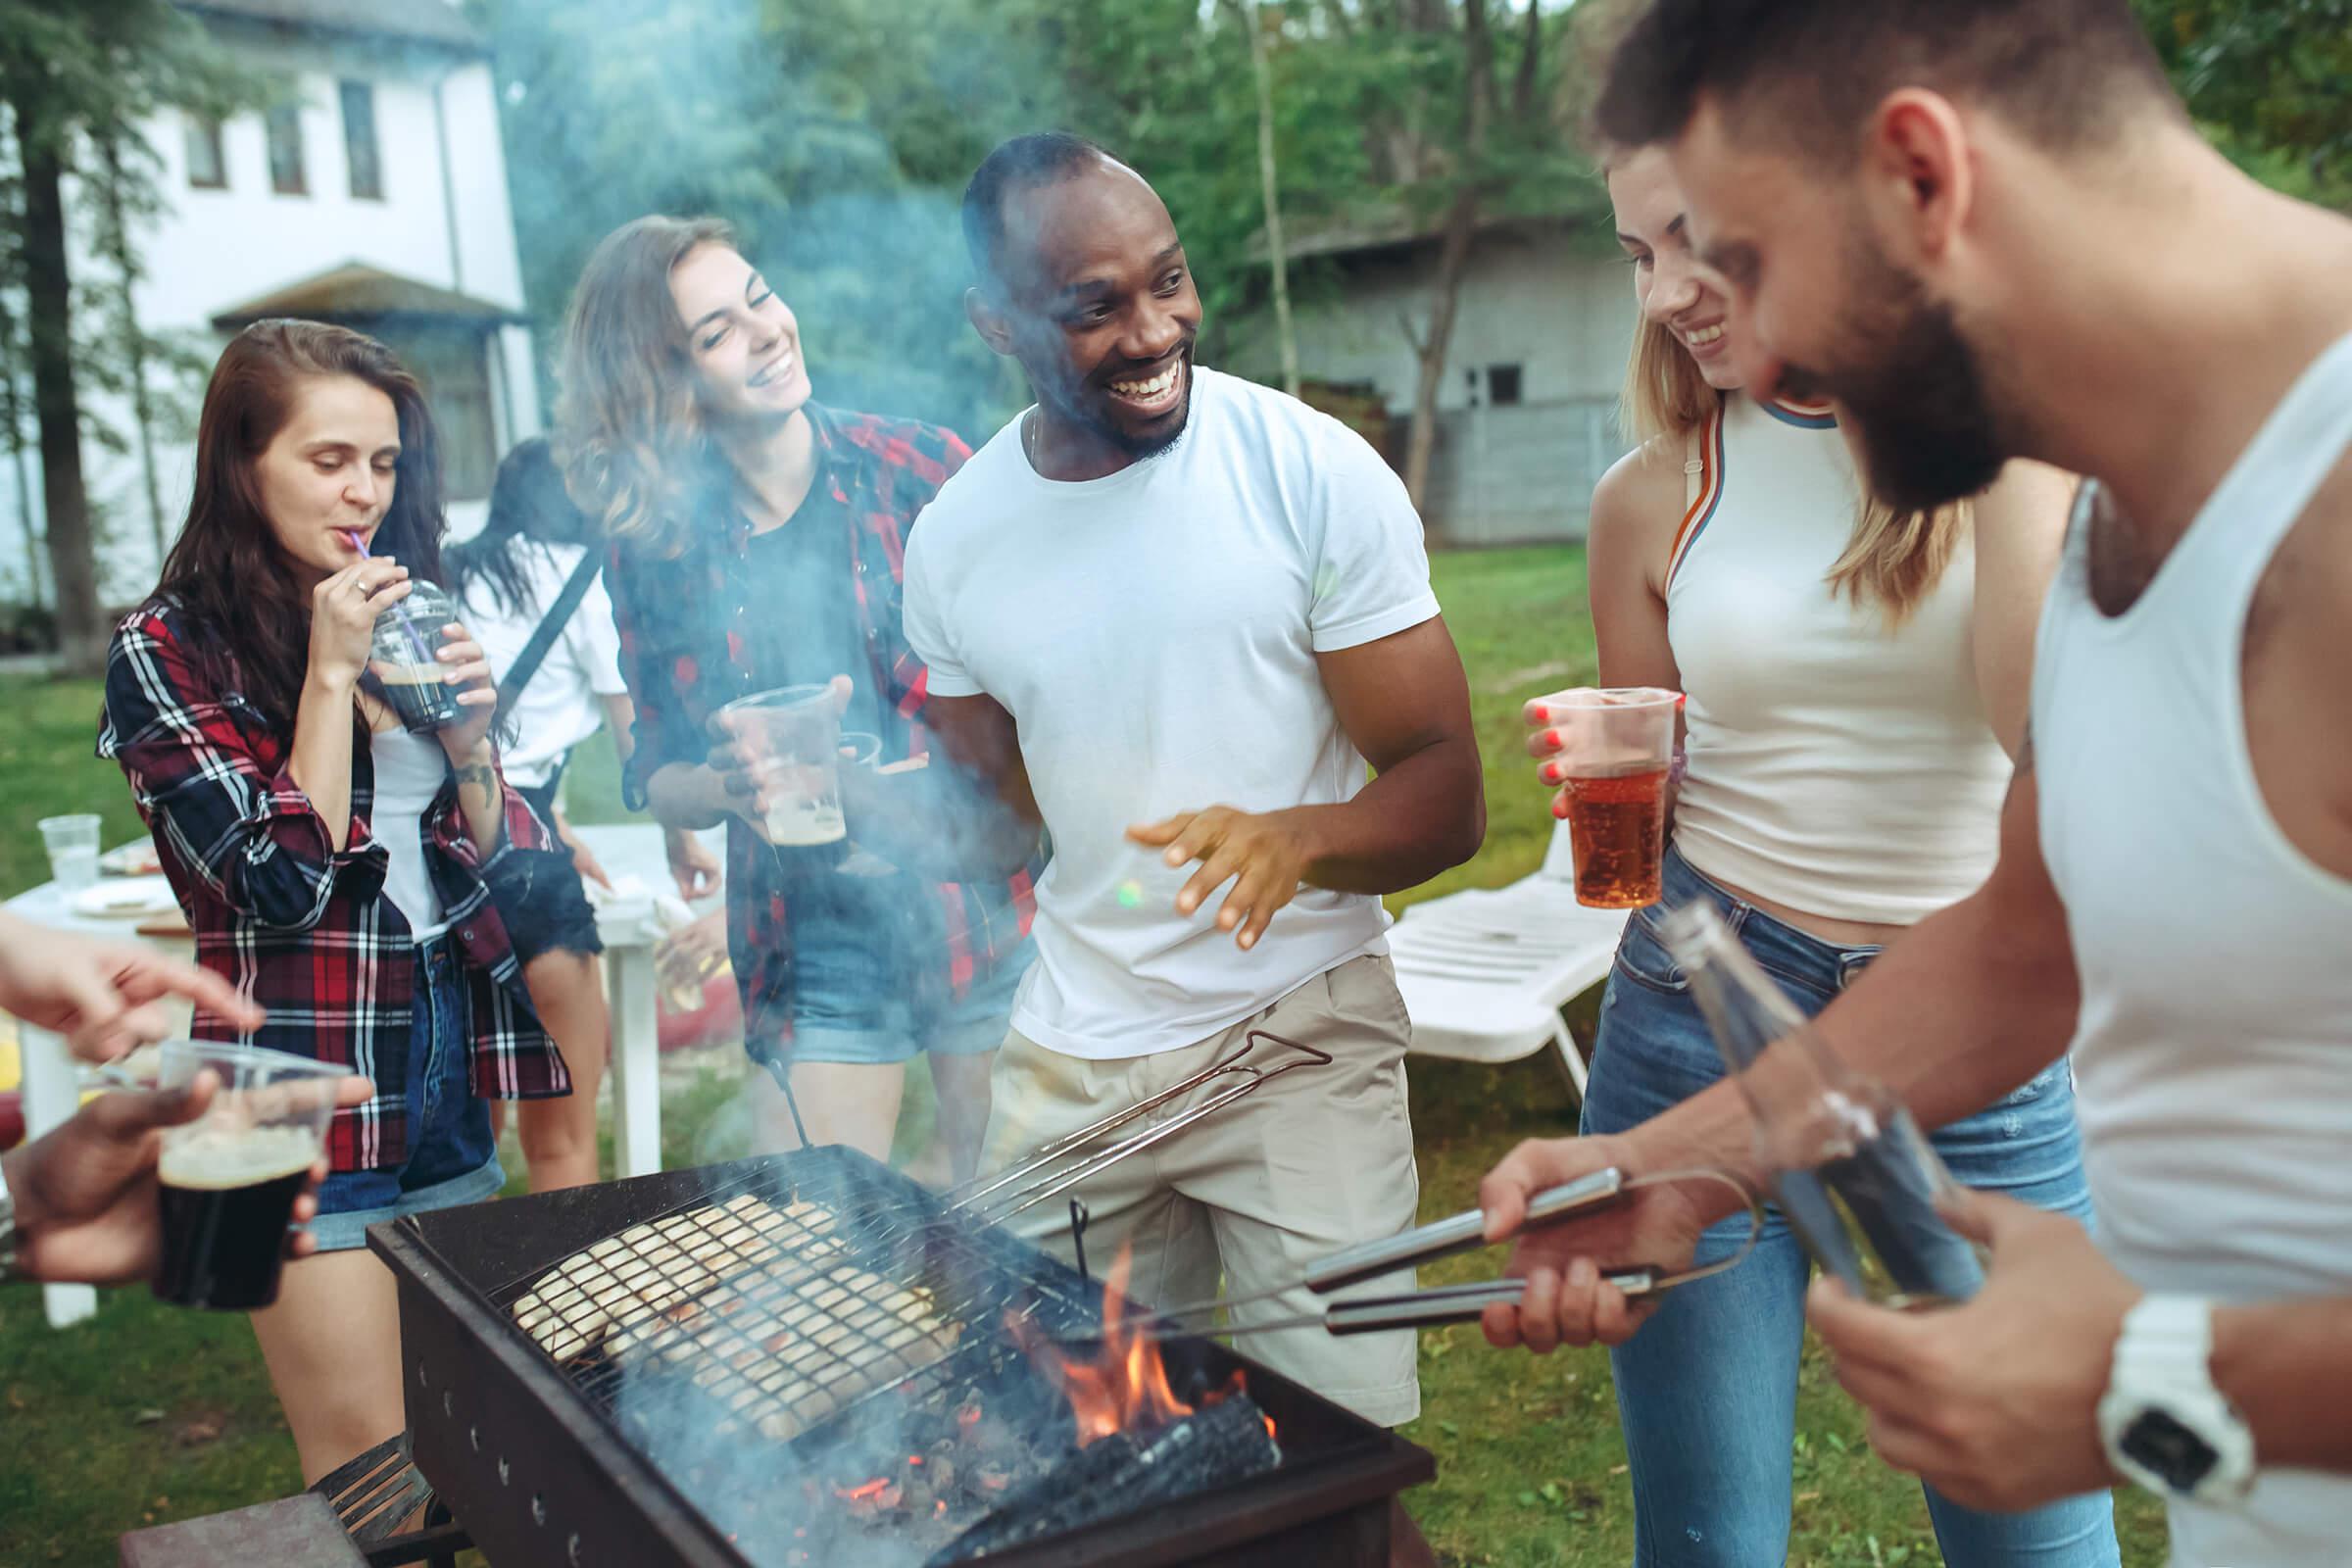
375	197
1527	409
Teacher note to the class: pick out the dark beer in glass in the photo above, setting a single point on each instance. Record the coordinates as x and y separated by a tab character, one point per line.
227	1181
226	1203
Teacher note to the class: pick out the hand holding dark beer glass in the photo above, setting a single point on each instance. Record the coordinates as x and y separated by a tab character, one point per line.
86	1192
1609	750
229	1179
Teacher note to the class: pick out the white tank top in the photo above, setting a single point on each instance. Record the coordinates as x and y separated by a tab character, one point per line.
1837	766
2214	1049
410	770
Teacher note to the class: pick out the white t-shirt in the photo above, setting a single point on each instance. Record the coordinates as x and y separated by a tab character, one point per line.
561	706
1153	634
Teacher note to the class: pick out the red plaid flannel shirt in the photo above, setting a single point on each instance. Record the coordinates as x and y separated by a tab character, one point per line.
684	653
293	923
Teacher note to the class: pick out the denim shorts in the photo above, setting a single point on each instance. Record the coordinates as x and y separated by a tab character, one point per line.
867	989
540	896
453	1159
1706	1391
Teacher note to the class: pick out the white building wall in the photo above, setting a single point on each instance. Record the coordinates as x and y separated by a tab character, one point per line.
212	249
1564	317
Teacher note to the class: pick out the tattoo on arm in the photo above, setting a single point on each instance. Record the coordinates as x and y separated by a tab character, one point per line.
481	775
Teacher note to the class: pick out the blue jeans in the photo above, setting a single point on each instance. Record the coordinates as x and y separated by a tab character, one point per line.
868	986
1707	1389
453	1159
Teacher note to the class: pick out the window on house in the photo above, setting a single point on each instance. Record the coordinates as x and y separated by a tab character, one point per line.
1503	385
453	367
206	168
283	126
359	141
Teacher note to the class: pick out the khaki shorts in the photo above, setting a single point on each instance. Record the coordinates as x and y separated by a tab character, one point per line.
1317	1159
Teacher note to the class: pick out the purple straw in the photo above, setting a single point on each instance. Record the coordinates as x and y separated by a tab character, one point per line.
415	638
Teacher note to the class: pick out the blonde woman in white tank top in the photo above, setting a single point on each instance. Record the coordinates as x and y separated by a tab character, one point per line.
1851	693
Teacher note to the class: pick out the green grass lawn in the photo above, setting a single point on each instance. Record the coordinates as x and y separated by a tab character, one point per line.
145	1415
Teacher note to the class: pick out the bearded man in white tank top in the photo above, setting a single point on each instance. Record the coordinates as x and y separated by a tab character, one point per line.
1852	674
2003	199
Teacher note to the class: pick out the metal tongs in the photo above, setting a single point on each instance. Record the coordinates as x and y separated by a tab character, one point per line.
1462	1233
1065	1161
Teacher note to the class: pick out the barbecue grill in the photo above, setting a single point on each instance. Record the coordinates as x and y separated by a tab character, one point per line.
786	1360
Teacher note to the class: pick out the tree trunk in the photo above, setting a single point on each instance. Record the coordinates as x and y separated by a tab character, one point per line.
134	337
12	417
48	289
1446	294
1262	73
1453	247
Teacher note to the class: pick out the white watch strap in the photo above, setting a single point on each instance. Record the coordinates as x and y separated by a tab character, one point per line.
2161	1365
2167	1339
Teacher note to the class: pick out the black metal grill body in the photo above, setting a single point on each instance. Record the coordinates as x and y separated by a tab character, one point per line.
537	1469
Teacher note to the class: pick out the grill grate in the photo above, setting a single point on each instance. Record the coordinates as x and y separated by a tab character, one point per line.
778	1301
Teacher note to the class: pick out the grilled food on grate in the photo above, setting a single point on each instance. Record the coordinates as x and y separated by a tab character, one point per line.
764	1308
623	1280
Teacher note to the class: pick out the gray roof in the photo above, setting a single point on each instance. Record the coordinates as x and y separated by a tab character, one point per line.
433	21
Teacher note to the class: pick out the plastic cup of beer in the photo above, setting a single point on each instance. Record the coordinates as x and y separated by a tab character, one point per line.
229	1178
791	739
1616	743
404	659
73	846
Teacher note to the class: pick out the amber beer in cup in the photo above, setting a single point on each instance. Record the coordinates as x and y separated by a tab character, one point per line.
1616	745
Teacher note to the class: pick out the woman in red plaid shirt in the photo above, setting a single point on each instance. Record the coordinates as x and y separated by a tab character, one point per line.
758	538
331	862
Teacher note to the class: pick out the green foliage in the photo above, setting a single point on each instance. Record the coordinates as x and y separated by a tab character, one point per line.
837	136
2270	80
834	134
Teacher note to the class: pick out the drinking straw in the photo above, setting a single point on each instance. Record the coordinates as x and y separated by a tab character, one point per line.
415	638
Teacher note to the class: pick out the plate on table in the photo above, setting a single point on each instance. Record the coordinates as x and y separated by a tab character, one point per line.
136	898
132	859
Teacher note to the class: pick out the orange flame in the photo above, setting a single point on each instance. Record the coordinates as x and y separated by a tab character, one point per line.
1124	1388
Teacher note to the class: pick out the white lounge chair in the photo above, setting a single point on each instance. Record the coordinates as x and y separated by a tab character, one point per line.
1486	972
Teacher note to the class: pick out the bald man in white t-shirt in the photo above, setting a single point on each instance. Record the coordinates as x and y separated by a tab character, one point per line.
1173	614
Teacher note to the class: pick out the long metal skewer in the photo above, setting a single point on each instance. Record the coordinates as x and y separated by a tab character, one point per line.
980	1197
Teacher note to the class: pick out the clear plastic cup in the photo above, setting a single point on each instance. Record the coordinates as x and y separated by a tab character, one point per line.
1616	745
403	658
791	739
72	845
228	1179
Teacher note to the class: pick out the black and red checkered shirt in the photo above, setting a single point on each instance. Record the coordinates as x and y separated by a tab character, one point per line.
295	924
690	643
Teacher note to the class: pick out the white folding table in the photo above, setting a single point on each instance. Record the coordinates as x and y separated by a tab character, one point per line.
51	1088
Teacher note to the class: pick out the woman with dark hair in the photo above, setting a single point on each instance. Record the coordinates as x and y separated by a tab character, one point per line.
330	862
510	578
758	541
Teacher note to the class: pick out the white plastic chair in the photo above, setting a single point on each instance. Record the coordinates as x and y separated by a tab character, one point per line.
1486	972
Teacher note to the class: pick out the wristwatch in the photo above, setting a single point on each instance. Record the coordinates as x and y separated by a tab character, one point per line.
2162	1421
